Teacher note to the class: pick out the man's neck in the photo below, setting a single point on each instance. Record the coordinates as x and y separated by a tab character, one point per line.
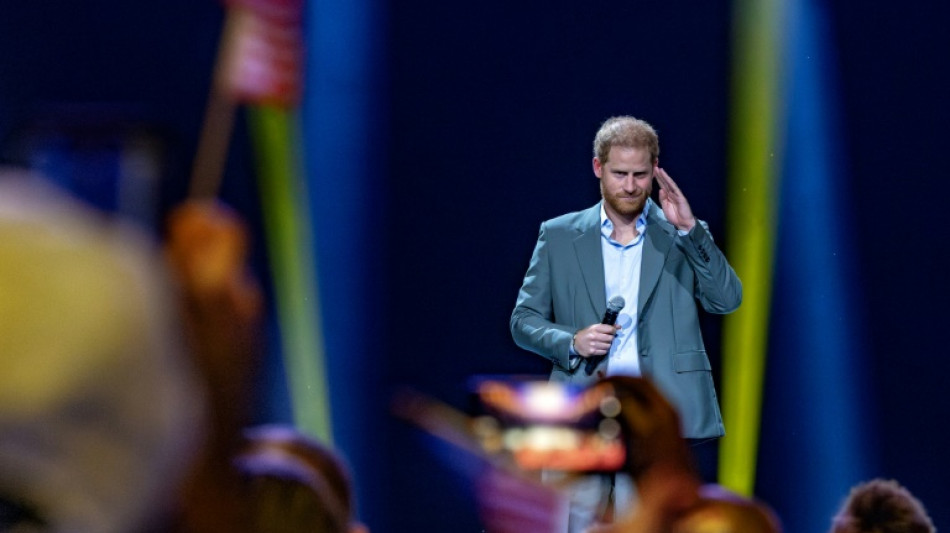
625	228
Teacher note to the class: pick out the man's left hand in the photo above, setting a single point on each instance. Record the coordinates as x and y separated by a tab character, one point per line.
674	204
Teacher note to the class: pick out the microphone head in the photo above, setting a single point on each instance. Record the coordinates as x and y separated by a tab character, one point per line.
615	304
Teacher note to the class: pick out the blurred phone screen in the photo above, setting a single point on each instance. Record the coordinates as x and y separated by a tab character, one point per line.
546	425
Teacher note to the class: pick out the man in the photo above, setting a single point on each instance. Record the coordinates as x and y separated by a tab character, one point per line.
660	259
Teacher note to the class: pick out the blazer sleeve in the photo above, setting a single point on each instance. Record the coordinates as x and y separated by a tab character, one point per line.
718	288
532	321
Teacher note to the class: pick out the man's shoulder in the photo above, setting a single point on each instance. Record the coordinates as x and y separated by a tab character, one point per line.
575	220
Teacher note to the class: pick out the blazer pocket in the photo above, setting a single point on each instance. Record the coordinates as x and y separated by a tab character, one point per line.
691	361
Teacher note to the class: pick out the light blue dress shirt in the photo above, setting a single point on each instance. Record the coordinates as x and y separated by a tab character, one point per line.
622	278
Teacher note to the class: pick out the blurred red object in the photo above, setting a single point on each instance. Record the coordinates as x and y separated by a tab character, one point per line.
262	51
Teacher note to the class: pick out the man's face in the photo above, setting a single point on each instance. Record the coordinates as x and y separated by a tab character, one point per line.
626	180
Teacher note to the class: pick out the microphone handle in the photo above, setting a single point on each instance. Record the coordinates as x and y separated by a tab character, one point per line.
592	363
610	317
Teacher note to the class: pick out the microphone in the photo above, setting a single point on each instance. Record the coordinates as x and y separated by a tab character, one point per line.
610	317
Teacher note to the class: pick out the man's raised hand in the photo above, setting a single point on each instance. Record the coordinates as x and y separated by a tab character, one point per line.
674	204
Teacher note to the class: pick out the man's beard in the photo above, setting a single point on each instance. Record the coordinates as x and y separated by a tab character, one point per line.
624	207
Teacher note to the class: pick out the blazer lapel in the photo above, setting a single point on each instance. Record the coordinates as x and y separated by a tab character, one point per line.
590	258
656	246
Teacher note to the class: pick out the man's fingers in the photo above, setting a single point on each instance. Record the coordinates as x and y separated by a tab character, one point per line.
660	178
605	329
666	182
598	339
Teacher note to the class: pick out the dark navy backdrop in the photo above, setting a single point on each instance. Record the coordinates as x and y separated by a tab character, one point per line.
482	116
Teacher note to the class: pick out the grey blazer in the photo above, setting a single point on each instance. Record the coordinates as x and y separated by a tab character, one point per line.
564	291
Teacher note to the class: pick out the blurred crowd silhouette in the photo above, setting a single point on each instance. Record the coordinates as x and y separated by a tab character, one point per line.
129	365
672	495
881	506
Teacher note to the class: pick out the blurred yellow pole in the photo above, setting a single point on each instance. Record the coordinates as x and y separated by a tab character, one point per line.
290	248
754	169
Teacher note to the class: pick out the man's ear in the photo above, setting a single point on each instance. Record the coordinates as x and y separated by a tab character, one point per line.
598	168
